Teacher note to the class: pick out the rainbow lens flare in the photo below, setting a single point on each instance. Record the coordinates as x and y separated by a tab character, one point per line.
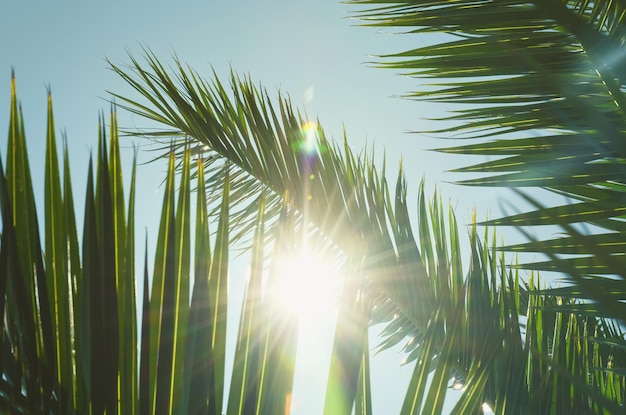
310	138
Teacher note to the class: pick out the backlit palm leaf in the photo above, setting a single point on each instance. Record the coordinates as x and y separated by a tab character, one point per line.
539	86
265	151
543	86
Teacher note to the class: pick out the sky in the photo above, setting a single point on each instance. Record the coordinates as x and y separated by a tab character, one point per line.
310	50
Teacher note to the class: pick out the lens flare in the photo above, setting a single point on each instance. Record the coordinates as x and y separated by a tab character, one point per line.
310	140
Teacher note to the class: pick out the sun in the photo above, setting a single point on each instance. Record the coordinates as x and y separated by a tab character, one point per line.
307	284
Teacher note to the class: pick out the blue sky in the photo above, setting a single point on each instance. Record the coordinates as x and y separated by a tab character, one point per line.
309	50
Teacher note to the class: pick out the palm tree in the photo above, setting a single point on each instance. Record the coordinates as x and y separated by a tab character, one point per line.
65	354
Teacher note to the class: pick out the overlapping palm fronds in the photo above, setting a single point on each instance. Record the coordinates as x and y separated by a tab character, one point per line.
539	86
341	194
545	85
464	328
261	180
70	333
65	311
70	340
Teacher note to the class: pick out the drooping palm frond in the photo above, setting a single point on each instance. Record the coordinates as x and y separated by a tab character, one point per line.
347	200
543	87
463	328
343	195
276	153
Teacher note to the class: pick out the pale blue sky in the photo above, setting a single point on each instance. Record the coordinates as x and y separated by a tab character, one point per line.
297	46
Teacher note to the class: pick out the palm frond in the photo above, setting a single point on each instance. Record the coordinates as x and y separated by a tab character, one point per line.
264	150
543	88
540	87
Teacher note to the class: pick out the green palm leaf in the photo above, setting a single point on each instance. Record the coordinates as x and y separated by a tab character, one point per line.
542	84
